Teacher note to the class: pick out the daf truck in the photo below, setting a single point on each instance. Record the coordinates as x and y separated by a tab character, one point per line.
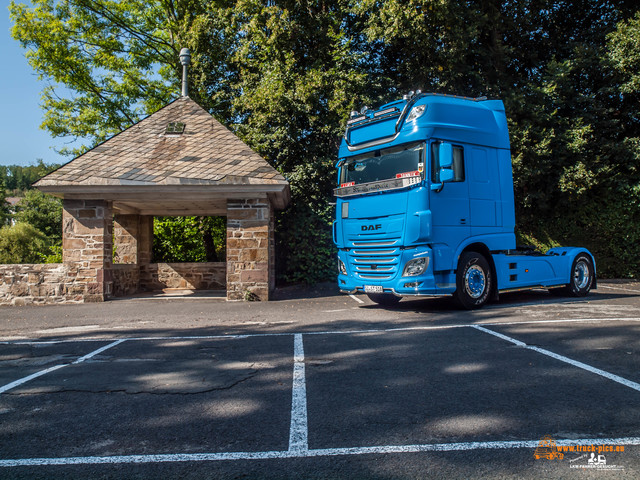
425	207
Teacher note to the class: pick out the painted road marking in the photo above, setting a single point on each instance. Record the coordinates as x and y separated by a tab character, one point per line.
21	381
562	358
356	298
298	433
619	288
98	351
325	452
11	385
326	332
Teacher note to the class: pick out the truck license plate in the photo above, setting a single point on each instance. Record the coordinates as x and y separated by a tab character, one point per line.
372	289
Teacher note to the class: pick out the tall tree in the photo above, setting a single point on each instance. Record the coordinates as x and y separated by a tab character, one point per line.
19	178
107	63
4	206
43	212
300	74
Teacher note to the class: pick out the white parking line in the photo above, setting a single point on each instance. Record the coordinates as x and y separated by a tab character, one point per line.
324	332
11	385
100	350
324	452
298	433
562	358
356	298
619	288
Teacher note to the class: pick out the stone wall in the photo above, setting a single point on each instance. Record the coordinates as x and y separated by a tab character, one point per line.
39	284
49	283
195	276
126	280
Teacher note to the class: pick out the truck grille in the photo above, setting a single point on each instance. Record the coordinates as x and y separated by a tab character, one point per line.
374	243
374	263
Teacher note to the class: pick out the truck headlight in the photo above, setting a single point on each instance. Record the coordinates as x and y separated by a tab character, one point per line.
416	112
341	267
415	267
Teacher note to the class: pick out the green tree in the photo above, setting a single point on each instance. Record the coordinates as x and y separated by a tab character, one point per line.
106	54
22	243
4	206
42	211
300	78
189	239
18	178
300	75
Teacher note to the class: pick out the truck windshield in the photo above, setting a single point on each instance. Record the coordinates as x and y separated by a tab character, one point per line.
397	162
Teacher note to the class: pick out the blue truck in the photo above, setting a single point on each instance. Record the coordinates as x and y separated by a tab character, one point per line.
425	207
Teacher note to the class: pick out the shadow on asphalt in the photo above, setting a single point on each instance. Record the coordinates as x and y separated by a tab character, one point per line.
303	292
507	300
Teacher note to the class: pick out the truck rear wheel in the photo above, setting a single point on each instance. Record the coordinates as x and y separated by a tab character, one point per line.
384	299
474	281
582	276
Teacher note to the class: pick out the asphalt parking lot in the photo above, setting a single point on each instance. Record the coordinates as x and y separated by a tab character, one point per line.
322	385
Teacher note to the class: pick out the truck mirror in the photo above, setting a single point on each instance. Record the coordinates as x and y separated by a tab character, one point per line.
446	175
445	155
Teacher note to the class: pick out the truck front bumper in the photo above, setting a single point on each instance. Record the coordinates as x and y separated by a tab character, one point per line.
397	284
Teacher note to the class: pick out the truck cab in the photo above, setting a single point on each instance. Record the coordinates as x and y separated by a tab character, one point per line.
425	206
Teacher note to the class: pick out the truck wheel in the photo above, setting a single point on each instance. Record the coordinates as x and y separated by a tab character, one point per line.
384	299
474	281
582	276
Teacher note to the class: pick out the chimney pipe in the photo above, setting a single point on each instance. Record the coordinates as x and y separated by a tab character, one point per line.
185	60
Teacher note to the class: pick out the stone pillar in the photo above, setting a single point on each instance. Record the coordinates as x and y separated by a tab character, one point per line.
133	243
125	239
145	240
87	245
272	251
249	253
148	277
133	239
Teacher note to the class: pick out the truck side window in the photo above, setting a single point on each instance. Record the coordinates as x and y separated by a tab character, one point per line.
458	163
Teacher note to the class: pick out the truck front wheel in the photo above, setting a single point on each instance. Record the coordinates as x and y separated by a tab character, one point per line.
384	299
474	280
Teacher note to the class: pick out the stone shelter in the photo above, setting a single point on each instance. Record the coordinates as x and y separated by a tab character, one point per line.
179	161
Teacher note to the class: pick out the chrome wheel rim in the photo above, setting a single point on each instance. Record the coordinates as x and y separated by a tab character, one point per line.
581	274
475	281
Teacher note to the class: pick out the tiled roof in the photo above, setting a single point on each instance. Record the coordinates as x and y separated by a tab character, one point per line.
207	153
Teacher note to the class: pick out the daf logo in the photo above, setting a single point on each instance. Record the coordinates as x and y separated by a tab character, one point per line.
367	228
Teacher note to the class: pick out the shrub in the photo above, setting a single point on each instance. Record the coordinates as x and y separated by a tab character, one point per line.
22	243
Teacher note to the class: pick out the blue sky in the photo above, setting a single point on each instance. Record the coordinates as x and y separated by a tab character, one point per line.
21	139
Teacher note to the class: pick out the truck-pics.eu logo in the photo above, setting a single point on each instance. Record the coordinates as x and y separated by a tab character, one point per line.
548	449
592	456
